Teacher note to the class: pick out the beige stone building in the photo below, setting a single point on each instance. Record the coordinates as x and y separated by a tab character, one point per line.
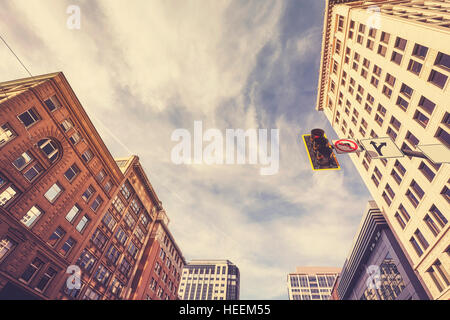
311	283
384	73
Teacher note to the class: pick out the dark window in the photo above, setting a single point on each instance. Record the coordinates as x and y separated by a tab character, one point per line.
414	66
437	78
427	172
442	60
385	37
32	269
417	189
438	216
52	104
421	118
420	51
396	57
443	136
56	236
71	172
67	246
400	43
407	91
49	148
427	105
29	117
45	280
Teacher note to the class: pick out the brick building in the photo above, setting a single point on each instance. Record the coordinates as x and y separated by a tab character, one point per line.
65	201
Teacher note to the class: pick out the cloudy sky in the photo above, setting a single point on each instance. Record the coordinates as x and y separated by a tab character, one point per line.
142	69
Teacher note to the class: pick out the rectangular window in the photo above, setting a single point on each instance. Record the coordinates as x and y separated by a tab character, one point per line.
396	57
385	37
101	175
416	246
431	225
446	193
6	134
86	261
139	234
417	189
7	245
426	171
421	239
96	203
88	193
32	172
22	161
438	216
29	117
109	221
56	236
387	91
414	66
72	172
31	216
75	138
113	254
377	70
67	247
396	176
404	213
87	156
443	136
382	50
390	79
53	193
32	270
52	103
46	279
99	239
400	43
437	78
443	60
118	204
102	274
412	139
420	51
407	91
400	221
66	125
83	223
121	236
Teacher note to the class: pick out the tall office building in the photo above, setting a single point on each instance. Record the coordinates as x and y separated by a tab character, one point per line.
210	280
311	283
376	267
384	73
65	203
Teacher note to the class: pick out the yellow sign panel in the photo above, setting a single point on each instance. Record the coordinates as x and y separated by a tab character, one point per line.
314	165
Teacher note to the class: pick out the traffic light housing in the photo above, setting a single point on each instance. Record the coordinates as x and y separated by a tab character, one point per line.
320	152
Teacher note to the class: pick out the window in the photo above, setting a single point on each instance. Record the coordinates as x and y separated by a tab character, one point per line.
400	221
396	176
442	60
438	216
22	161
404	213
387	91
113	254
109	221
446	193
6	246
125	267
75	138
145	219
396	57
417	189
420	51
96	203
437	78
6	134
116	287
129	220
8	193
421	239
29	117
53	193
32	270
412	198
56	236
86	261
382	50
385	37
31	173
375	180
390	79
395	123
88	193
49	148
126	190
374	81
87	155
443	136
90	294
71	173
426	171
46	279
416	246
31	216
135	205
400	43
402	103
101	175
411	139
52	103
139	234
118	204
414	66
99	239
102	274
132	250
407	91
431	225
83	223
66	125
67	246
377	70
386	198
340	23
121	236
389	191
107	186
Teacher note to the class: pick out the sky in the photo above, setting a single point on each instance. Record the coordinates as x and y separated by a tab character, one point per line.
142	69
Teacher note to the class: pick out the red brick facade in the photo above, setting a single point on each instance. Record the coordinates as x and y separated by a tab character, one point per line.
65	201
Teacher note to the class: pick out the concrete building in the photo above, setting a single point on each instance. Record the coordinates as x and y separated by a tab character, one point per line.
65	202
384	73
210	280
376	267
311	283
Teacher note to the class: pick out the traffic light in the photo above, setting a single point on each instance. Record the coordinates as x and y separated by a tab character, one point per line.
319	151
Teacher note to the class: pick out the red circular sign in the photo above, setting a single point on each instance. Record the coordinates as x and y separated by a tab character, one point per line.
345	145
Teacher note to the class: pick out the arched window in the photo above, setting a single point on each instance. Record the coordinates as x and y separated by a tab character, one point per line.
49	148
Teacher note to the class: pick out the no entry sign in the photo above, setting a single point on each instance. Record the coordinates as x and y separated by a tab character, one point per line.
345	145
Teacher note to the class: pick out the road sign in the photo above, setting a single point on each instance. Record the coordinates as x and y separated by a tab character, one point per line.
438	153
345	145
315	155
381	148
